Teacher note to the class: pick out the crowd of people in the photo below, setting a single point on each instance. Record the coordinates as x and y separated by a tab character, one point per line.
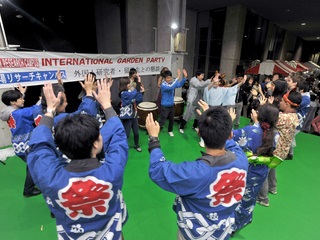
77	160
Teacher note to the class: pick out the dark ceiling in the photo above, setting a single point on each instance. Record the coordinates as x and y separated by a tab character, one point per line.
59	25
57	22
288	14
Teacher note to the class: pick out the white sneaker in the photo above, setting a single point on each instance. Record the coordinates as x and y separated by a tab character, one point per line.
201	143
181	130
265	204
196	129
171	134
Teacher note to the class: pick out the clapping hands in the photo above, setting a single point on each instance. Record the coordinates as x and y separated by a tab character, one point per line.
104	94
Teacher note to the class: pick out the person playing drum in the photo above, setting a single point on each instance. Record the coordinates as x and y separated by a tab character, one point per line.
167	100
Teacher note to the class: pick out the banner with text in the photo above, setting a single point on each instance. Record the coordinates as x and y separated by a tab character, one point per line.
35	68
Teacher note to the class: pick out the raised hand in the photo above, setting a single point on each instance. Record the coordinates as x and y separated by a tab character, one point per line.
214	80
215	77
244	78
52	101
152	126
88	84
204	106
254	115
232	113
178	73
104	94
260	90
142	88
262	100
59	77
271	99
139	78
109	80
22	89
185	74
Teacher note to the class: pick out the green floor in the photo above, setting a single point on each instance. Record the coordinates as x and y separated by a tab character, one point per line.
293	213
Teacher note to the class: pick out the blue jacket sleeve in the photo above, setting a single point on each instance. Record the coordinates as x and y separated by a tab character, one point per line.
43	156
88	105
115	145
175	84
127	97
236	134
304	106
37	111
232	146
139	97
28	111
176	178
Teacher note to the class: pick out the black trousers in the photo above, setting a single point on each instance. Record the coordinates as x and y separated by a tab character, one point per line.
28	183
167	113
183	123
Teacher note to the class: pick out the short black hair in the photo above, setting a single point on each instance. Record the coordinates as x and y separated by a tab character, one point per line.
255	104
295	97
10	96
215	126
163	70
56	89
268	76
76	134
279	75
304	86
167	73
199	72
280	87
